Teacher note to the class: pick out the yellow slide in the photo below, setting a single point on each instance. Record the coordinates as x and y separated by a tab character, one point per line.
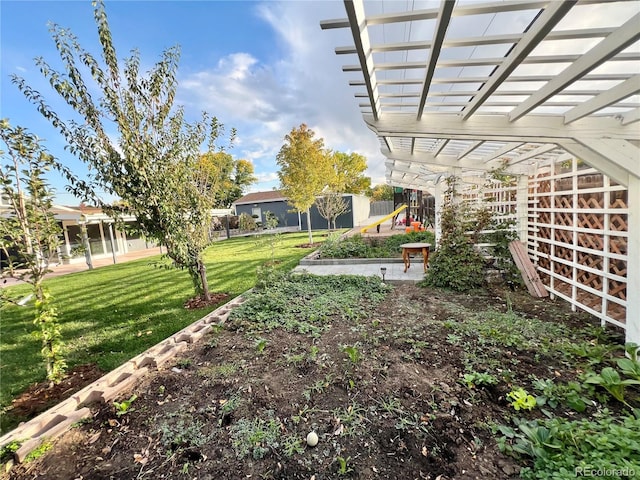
383	219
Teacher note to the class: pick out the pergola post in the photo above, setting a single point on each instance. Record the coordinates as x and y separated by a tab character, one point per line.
633	262
522	207
438	193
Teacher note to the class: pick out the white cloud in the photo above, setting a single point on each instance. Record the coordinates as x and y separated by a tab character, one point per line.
304	85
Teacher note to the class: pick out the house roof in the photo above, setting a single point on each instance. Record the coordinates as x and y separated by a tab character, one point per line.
260	197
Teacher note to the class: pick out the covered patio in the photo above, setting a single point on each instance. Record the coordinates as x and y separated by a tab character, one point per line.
545	91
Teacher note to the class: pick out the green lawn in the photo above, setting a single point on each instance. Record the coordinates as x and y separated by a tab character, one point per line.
106	314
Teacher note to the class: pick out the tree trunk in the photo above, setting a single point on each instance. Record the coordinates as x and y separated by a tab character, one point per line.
309	226
202	270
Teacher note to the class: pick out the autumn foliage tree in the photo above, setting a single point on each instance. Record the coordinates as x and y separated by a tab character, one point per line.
348	173
225	176
153	164
305	168
30	229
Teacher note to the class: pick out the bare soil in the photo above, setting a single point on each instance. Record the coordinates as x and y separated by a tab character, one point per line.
399	412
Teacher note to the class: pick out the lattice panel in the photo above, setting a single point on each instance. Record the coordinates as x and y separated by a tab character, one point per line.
618	267
618	289
617	312
618	199
563	236
618	222
591	240
618	245
589	279
564	219
585	208
564	202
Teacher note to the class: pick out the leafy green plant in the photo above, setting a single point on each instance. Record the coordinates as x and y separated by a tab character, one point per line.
124	407
292	444
558	446
39	451
261	344
184	363
318	386
352	352
343	465
304	303
475	379
255	437
456	264
521	400
7	451
181	432
356	246
572	394
610	380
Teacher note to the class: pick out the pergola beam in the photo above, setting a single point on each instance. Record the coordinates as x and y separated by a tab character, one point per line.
597	161
606	98
448	161
605	50
444	16
355	13
532	128
538	31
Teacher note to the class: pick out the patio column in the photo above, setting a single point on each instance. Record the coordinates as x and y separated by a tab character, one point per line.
438	194
522	208
113	244
633	262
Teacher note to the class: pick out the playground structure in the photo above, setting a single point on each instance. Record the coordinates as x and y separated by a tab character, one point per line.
384	219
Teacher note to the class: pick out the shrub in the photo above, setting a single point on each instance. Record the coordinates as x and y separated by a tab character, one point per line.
456	264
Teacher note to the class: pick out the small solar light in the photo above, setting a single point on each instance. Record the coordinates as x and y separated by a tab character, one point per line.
383	270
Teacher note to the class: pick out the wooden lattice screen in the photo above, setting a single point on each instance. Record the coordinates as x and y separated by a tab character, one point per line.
577	237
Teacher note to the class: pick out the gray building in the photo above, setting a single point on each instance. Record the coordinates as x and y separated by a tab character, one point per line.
257	204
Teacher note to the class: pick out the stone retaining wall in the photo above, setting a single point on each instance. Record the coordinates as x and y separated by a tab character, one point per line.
57	420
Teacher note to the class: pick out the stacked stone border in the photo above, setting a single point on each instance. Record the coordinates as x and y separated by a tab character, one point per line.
58	419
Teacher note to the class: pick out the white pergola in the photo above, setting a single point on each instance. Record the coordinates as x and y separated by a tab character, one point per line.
465	87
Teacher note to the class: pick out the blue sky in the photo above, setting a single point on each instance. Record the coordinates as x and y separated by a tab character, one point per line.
261	67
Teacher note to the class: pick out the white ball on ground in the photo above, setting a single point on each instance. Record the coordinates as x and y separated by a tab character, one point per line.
312	439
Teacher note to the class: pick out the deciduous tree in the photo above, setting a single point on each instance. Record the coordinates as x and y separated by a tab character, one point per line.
152	166
382	192
225	176
348	169
31	231
330	206
305	169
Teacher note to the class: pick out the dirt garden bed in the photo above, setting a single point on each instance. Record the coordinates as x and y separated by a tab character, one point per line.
380	380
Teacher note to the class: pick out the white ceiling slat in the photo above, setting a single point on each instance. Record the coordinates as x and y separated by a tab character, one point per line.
440	147
606	98
476	41
488	62
631	117
508	147
624	36
444	16
355	13
537	152
469	149
528	78
463	10
541	27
